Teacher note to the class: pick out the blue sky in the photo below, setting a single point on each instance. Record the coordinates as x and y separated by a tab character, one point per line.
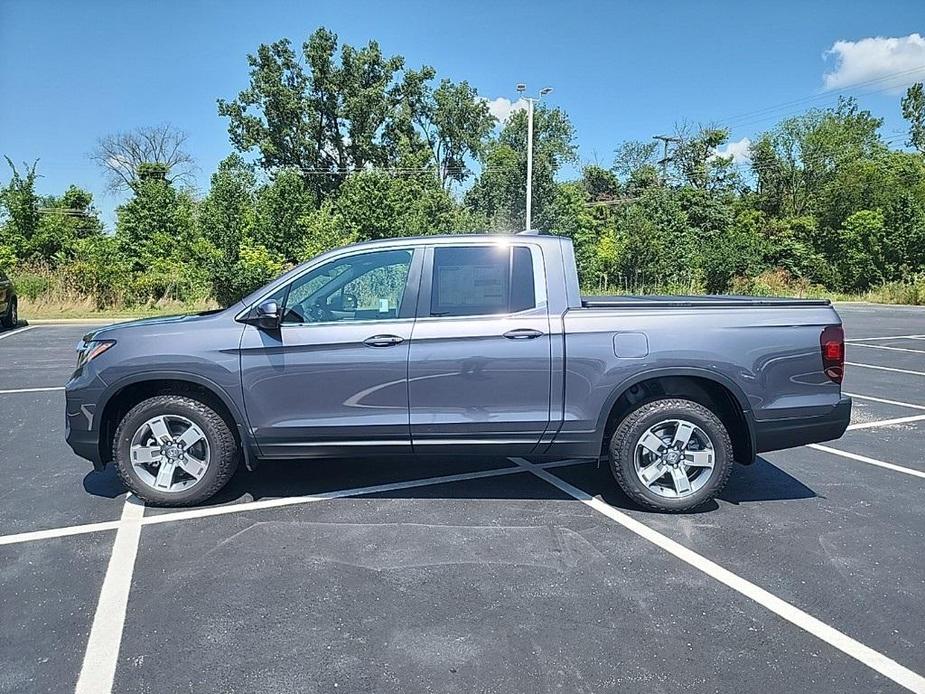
73	71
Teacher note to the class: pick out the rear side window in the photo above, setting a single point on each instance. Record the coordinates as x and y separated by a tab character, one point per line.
482	280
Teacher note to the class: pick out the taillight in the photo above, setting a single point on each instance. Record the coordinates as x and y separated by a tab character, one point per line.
832	342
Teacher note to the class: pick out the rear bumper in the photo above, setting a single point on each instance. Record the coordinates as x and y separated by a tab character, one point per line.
776	434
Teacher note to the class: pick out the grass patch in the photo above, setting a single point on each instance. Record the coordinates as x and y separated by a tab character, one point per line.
47	308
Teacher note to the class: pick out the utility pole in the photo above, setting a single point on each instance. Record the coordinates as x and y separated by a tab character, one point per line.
521	88
663	162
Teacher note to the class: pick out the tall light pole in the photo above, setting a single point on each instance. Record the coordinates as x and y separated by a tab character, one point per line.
521	88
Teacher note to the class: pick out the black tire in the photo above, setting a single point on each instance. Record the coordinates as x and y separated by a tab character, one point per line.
12	315
634	425
225	451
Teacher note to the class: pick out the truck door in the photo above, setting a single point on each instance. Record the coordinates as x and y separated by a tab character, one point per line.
479	373
334	374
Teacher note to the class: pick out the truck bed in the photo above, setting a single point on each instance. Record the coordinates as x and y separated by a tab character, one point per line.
708	301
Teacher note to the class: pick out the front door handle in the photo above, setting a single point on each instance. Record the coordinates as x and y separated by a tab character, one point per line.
383	340
522	334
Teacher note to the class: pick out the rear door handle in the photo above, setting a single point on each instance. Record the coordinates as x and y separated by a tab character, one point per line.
383	340
522	334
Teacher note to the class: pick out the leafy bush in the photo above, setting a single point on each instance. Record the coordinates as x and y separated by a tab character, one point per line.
776	282
910	291
32	281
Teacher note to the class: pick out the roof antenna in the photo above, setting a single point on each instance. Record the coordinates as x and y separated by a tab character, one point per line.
529	232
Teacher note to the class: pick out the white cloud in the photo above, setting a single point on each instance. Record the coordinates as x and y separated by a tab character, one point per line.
737	150
894	62
501	108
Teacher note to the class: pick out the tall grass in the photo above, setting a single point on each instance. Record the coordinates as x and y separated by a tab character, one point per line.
46	293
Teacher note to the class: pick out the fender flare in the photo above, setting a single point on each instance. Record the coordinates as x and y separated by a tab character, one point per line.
248	445
692	371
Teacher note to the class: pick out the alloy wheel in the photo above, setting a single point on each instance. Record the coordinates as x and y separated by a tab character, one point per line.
674	458
169	453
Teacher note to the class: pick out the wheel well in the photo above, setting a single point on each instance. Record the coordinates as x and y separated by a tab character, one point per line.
129	396
708	393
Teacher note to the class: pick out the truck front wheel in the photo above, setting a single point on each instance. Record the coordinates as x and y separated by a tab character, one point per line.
172	450
671	455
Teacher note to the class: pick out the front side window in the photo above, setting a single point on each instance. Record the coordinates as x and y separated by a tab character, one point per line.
365	286
482	280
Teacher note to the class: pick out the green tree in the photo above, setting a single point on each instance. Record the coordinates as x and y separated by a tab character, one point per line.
499	192
913	106
281	205
375	205
795	162
155	229
19	205
696	163
631	156
861	261
64	221
456	123
226	220
315	113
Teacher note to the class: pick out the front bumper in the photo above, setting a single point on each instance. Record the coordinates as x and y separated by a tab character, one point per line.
86	444
776	434
82	432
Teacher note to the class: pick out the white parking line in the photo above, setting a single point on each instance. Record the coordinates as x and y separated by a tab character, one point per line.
886	422
272	503
885	401
885	368
887	337
57	532
102	655
892	349
869	461
10	391
99	663
878	662
3	336
339	494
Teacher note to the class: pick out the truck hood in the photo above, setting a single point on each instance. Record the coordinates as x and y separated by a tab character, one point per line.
112	331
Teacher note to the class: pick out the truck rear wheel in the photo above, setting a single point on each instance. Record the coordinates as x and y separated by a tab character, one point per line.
172	450
671	455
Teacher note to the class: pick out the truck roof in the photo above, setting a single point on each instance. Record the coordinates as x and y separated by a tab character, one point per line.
461	237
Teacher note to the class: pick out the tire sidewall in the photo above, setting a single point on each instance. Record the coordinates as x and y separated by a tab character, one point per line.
625	439
192	410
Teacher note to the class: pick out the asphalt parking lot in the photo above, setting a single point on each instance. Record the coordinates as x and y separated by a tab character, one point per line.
470	575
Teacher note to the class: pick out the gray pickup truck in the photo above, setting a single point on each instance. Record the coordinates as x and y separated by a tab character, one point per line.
458	345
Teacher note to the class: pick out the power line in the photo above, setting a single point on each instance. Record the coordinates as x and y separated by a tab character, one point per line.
827	95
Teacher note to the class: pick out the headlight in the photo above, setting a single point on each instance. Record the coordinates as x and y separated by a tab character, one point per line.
91	350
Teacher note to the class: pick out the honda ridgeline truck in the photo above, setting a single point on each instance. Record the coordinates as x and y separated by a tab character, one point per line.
458	345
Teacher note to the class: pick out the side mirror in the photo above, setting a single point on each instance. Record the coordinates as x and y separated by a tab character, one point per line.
266	315
349	302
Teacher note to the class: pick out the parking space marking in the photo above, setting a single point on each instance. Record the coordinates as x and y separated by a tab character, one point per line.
339	494
893	349
869	461
887	337
57	532
885	368
884	401
866	655
886	422
99	664
16	332
10	391
273	503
